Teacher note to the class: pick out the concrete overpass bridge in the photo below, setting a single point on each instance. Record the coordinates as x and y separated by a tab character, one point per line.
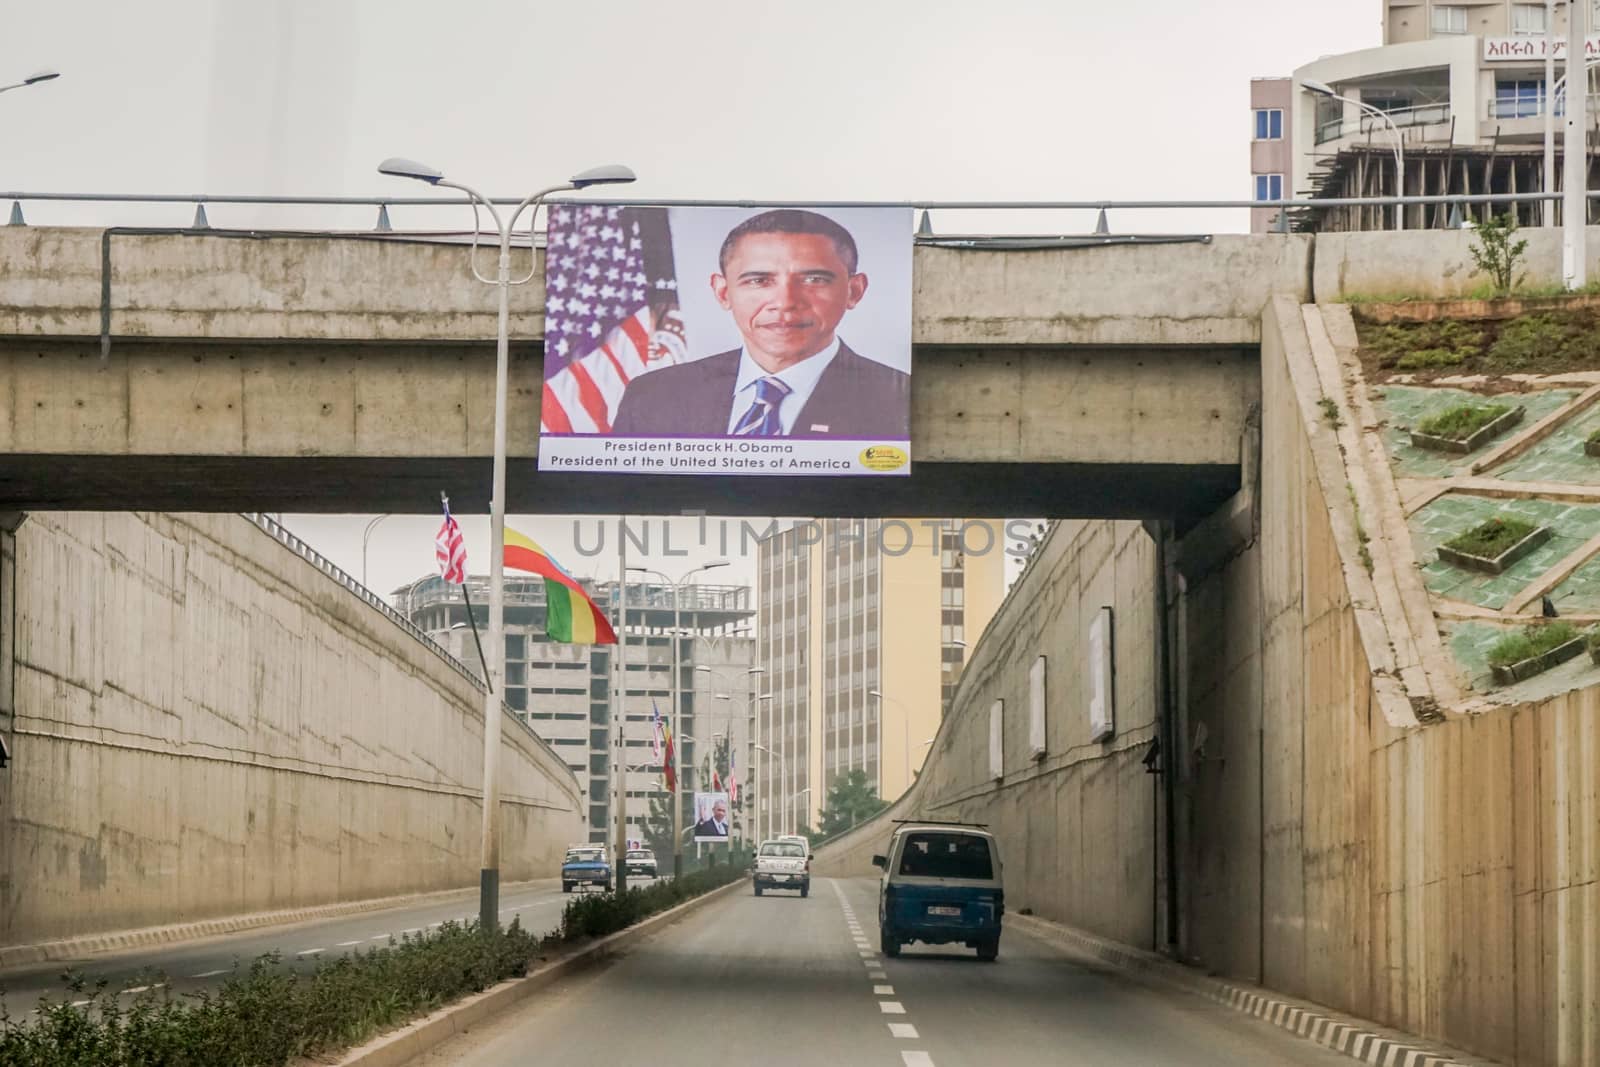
220	371
1330	821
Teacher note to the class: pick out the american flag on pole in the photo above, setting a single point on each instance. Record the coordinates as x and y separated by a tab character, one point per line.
611	311
450	550
655	733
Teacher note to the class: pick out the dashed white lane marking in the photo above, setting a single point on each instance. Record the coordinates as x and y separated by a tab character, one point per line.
879	975
145	988
309	952
346	944
883	990
902	1030
79	1003
866	952
381	937
891	1007
916	1059
210	974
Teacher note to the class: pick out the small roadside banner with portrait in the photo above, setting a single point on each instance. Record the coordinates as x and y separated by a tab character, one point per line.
720	340
711	821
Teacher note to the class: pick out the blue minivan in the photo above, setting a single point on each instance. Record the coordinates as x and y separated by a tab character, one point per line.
941	885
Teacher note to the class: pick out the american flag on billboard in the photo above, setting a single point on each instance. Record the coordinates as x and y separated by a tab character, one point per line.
611	310
450	550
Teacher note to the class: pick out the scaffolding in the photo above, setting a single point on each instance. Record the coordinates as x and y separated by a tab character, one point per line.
1368	170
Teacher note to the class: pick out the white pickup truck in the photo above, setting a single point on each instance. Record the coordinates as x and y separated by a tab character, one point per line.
782	864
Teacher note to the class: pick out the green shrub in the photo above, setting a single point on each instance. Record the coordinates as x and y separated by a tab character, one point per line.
1496	250
266	1015
1535	639
598	914
1449	343
1430	359
1462	421
1489	539
1593	439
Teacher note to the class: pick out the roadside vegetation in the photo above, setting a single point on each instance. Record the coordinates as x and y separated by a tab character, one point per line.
1547	341
268	1015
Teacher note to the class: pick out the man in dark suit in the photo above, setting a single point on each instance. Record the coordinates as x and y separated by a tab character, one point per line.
787	277
716	823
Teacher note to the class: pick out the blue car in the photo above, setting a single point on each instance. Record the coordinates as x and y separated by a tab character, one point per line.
585	865
941	885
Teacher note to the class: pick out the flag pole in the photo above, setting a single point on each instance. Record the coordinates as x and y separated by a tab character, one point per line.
475	639
444	502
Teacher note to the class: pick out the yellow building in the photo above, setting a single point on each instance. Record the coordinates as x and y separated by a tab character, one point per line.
863	626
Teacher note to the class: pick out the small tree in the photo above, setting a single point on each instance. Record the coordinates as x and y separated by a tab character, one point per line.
1496	250
658	829
851	800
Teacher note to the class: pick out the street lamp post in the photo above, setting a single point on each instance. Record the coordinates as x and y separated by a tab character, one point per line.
489	875
677	686
905	723
1575	187
750	672
366	535
1322	89
783	762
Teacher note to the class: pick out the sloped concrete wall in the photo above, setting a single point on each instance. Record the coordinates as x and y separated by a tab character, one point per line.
1442	879
1076	825
204	725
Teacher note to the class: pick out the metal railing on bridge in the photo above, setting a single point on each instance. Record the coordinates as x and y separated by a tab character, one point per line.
924	235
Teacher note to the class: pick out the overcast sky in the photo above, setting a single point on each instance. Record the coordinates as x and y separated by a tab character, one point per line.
831	99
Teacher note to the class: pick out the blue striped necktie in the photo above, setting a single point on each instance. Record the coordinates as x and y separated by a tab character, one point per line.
762	418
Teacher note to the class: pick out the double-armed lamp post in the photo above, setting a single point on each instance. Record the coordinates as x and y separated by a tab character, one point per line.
489	876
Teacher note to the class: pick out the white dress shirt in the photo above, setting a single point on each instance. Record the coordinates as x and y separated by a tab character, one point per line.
801	379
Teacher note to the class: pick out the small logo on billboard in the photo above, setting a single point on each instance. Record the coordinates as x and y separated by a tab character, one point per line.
883	457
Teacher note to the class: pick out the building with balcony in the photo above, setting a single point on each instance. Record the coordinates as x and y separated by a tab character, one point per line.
1460	86
566	693
863	634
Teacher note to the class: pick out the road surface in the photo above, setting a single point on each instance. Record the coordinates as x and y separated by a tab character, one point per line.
779	980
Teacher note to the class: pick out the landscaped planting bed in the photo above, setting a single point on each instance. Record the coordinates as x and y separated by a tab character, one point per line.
267	1015
1494	545
1535	648
1465	427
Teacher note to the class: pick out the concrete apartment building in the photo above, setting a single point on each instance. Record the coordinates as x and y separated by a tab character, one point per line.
1463	85
862	638
566	692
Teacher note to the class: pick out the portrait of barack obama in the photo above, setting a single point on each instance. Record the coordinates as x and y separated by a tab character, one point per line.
787	277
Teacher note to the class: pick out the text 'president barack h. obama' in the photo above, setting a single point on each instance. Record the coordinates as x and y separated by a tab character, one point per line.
787	277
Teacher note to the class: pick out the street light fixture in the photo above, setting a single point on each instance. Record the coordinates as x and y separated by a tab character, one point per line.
33	79
1311	85
395	166
677	686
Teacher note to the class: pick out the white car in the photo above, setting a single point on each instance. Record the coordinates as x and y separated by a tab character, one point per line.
640	861
782	864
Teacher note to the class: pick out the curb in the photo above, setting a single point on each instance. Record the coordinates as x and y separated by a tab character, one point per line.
400	1046
1360	1039
76	948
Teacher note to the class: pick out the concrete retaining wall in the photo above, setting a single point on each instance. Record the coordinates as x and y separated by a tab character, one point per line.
1075	826
1442	879
203	725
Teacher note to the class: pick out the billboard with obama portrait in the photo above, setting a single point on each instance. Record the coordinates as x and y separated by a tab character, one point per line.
722	340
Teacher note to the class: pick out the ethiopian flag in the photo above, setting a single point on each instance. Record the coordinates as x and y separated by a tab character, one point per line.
569	615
